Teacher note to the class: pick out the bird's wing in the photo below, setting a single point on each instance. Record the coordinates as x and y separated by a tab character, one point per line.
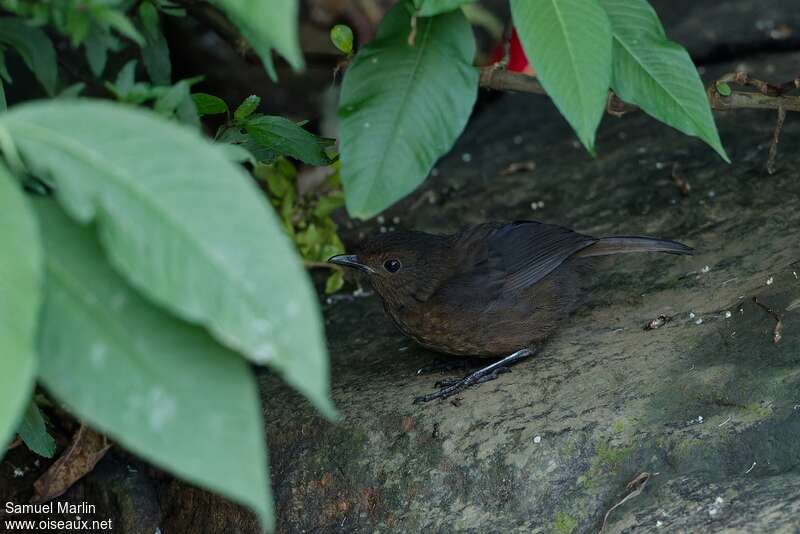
530	250
509	257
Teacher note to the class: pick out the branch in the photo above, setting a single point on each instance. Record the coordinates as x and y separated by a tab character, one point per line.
768	97
499	79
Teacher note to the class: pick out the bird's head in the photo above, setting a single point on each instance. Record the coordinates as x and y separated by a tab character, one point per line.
403	266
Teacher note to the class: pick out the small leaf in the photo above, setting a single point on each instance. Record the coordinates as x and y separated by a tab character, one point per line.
155	51
267	25
342	38
334	282
178	100
126	78
34	433
182	218
121	23
724	89
35	48
78	24
97	44
402	107
140	375
73	91
568	42
286	138
247	107
20	296
328	204
209	104
656	74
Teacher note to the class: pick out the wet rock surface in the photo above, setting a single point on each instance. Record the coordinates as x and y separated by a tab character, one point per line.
708	404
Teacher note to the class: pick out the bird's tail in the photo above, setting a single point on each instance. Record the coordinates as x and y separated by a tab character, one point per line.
625	244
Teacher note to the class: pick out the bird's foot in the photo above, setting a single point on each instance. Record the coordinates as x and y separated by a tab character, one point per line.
449	388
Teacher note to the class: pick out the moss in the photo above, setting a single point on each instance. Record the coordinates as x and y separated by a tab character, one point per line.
607	459
760	410
619	426
610	457
564	523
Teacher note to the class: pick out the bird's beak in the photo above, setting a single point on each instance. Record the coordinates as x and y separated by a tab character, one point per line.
351	260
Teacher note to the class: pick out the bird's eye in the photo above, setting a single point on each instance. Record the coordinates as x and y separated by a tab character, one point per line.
392	265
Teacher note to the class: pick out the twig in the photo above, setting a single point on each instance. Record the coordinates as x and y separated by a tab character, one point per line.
637	484
777	332
494	77
14	444
772	97
773	148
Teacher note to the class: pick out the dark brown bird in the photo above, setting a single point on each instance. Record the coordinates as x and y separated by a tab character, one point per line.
491	290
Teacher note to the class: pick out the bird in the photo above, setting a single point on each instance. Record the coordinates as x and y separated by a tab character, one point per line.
491	290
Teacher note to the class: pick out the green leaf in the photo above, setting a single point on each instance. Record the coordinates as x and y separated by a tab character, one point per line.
209	104
328	204
3	69
342	38
568	42
155	52
20	295
33	432
428	8
402	107
184	225
78	25
126	78
267	25
235	137
117	20
724	89
177	100
657	74
3	103
97	45
160	387
334	282
286	138
35	48
247	107
73	91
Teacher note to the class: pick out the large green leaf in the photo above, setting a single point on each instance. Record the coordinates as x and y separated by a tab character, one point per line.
267	24
657	74
403	106
185	225
35	48
568	42
20	295
160	387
